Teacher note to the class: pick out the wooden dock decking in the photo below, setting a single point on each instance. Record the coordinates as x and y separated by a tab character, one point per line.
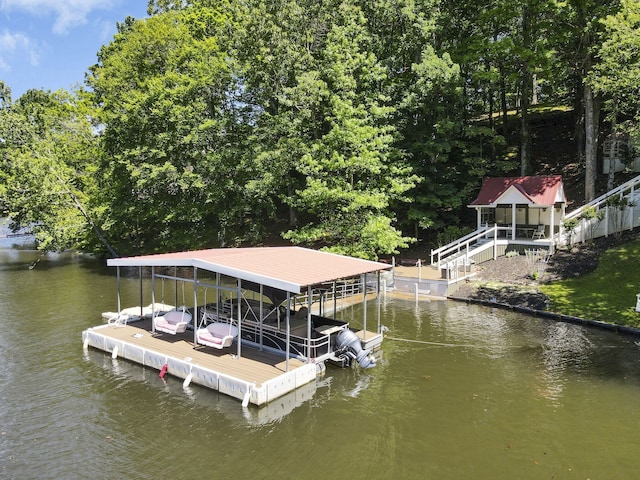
262	373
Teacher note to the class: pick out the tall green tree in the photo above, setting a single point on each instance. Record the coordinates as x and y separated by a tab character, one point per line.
577	39
352	172
171	132
324	136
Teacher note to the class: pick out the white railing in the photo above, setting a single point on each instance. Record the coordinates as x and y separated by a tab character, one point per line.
462	244
630	188
613	219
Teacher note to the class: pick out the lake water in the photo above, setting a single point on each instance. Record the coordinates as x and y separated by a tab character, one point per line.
460	391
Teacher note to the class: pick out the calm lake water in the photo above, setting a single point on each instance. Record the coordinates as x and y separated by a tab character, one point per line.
460	392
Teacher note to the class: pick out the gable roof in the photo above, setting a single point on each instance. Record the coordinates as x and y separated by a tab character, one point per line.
543	190
291	269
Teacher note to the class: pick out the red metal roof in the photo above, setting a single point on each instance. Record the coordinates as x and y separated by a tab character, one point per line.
539	190
287	268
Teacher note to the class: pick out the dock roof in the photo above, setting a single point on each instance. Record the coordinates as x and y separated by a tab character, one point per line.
292	269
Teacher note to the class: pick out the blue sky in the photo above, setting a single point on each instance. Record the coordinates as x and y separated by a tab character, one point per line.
50	44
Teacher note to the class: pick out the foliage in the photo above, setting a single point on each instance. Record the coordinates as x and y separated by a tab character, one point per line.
48	156
607	294
170	173
617	74
569	225
617	206
451	233
350	125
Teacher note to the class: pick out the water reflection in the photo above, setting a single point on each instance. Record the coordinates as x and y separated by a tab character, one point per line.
565	349
124	372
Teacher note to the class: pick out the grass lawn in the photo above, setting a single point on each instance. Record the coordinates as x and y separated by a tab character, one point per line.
608	294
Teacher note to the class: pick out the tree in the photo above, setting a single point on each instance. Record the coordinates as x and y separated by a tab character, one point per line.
616	75
171	132
577	39
352	173
49	152
323	136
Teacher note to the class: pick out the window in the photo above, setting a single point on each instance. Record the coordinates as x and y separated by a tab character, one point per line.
503	214
487	216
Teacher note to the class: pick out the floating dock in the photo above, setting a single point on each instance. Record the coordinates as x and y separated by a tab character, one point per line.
268	296
258	377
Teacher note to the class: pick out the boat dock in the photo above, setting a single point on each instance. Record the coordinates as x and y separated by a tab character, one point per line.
267	331
256	377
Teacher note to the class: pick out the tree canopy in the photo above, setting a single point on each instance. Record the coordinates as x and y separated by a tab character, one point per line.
353	126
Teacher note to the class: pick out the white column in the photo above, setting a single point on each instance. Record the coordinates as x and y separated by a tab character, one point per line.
552	228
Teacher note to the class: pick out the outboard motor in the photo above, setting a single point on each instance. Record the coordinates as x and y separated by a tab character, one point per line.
348	343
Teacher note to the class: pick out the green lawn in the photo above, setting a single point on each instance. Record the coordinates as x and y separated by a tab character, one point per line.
608	294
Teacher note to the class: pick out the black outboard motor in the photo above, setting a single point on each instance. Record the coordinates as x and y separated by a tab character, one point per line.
348	343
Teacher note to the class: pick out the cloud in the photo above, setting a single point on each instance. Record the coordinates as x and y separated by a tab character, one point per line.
13	44
68	13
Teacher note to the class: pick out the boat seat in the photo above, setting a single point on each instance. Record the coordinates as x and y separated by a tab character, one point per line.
172	322
217	335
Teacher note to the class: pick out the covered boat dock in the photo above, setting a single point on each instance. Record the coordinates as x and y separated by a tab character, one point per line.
253	370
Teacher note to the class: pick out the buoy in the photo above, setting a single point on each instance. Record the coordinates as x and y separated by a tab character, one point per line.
163	370
114	354
187	380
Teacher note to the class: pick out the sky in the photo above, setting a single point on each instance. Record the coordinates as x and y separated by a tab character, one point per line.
50	44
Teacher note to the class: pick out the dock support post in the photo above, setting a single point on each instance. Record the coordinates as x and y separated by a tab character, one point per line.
379	303
364	301
118	288
288	320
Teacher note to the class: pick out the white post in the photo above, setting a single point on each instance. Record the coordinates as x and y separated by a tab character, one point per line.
552	228
513	221
239	317
310	301
364	302
118	287
379	306
288	334
153	298
194	317
638	303
631	195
